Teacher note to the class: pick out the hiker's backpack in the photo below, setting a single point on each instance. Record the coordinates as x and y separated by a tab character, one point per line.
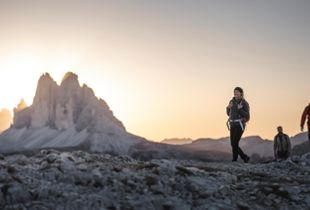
245	103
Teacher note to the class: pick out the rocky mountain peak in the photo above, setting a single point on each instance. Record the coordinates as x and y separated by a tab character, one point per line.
70	80
20	106
65	106
45	89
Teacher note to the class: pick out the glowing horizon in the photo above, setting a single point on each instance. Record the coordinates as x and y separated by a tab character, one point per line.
165	69
29	98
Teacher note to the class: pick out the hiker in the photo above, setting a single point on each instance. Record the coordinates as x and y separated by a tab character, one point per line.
238	111
282	145
303	120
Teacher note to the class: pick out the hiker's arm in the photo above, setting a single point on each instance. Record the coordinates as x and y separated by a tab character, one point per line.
303	117
228	108
227	111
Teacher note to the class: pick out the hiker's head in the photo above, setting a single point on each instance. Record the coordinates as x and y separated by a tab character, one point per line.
280	129
238	93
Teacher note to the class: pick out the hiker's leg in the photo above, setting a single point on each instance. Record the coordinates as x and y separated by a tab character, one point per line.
241	153
238	137
282	155
234	142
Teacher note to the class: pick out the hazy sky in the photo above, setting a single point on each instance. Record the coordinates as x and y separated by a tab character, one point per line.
166	68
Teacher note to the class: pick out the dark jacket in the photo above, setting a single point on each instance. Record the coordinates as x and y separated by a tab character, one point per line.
235	114
282	143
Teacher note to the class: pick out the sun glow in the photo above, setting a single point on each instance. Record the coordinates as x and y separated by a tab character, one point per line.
20	72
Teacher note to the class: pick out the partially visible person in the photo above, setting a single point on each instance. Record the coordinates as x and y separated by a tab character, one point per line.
304	116
282	145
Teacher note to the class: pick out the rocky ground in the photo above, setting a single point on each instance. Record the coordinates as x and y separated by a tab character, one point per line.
78	180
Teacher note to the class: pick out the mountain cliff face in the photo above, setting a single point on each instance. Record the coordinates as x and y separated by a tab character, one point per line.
66	115
66	106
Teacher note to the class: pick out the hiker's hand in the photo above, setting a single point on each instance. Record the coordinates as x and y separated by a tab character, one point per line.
240	106
230	105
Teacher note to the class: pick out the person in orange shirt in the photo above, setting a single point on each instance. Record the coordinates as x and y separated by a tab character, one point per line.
305	113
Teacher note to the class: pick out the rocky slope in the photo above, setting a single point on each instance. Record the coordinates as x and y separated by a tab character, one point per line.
78	180
301	148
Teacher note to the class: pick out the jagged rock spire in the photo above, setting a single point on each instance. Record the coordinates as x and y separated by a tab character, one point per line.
66	105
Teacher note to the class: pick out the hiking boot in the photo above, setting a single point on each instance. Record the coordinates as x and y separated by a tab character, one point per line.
246	159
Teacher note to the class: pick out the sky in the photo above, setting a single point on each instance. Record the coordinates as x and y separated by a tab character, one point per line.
167	68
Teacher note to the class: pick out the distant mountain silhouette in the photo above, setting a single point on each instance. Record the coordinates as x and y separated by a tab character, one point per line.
253	145
177	141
